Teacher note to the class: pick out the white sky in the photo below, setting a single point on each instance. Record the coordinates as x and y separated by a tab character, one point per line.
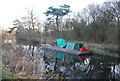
15	9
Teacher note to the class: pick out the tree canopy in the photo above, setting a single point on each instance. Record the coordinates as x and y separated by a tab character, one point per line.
57	13
62	11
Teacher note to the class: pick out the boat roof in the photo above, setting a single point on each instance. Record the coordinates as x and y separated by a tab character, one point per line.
74	42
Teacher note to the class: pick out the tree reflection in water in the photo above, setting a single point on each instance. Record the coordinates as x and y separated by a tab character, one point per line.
92	67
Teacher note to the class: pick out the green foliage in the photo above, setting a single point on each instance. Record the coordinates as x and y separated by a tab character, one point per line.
17	26
56	14
16	22
62	11
47	27
5	72
11	29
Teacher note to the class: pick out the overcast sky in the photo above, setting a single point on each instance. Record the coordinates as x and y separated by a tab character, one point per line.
15	9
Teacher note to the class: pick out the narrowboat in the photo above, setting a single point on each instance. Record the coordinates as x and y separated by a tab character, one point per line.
72	49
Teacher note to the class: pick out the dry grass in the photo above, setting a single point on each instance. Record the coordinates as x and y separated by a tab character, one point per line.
22	65
19	61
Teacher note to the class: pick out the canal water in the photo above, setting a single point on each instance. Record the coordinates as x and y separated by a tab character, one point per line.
86	66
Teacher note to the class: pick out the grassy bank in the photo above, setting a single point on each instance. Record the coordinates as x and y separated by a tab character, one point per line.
6	74
107	53
104	49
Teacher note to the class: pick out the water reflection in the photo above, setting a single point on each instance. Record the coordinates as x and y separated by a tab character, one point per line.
88	67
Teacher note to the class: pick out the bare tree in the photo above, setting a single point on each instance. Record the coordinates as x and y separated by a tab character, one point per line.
30	20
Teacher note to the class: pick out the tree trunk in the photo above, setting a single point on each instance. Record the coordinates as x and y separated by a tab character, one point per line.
118	26
33	51
57	24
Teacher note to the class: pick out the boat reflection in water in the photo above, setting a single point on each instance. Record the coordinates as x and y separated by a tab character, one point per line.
70	63
90	66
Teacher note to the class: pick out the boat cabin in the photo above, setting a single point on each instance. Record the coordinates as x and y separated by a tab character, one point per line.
74	45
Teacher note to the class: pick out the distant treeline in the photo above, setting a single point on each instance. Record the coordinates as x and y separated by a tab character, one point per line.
96	24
